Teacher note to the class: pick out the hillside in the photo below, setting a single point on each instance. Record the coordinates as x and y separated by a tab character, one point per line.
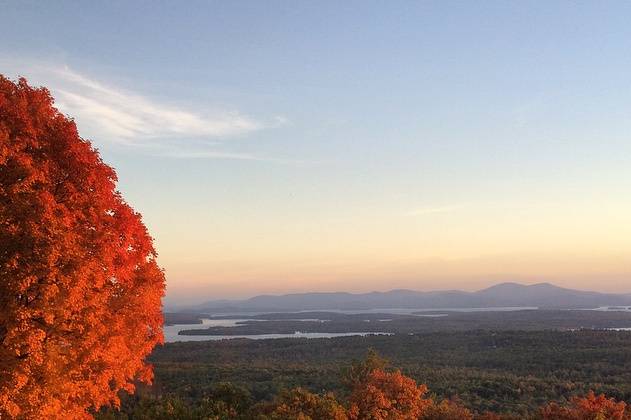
542	295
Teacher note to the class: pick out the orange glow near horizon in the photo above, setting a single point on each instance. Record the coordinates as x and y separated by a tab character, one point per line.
582	244
239	279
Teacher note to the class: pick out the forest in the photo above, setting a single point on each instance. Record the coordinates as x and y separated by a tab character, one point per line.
509	373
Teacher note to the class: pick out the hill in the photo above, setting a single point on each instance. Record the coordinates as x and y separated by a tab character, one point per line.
541	295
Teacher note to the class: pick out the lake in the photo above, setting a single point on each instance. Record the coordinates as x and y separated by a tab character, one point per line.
171	332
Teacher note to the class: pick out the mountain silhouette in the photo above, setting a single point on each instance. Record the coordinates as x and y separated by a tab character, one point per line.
541	295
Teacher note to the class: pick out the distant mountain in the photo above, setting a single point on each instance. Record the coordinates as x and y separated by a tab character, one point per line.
542	295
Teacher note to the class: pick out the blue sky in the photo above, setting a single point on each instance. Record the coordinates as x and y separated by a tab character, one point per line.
291	146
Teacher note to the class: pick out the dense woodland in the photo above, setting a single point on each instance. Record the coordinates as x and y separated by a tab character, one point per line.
513	373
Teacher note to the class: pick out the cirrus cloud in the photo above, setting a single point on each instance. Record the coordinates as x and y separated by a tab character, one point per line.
118	116
130	117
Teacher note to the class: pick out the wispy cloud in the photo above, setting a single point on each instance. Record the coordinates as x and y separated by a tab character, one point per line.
131	117
108	113
433	210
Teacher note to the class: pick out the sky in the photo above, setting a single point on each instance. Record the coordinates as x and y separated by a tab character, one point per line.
282	146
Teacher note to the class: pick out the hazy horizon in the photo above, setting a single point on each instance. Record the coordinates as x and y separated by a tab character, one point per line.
195	299
281	147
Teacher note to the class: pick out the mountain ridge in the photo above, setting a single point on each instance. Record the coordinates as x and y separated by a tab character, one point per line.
506	294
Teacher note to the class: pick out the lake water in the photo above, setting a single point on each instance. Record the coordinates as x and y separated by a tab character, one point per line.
613	309
171	332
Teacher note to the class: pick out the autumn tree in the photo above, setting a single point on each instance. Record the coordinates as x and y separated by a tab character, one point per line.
446	410
80	289
359	370
300	404
387	396
591	407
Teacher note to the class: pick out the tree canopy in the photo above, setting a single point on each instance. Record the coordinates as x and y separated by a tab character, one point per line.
80	288
380	394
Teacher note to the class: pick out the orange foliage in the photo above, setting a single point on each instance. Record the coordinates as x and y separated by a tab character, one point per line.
80	290
591	407
446	410
300	404
384	396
